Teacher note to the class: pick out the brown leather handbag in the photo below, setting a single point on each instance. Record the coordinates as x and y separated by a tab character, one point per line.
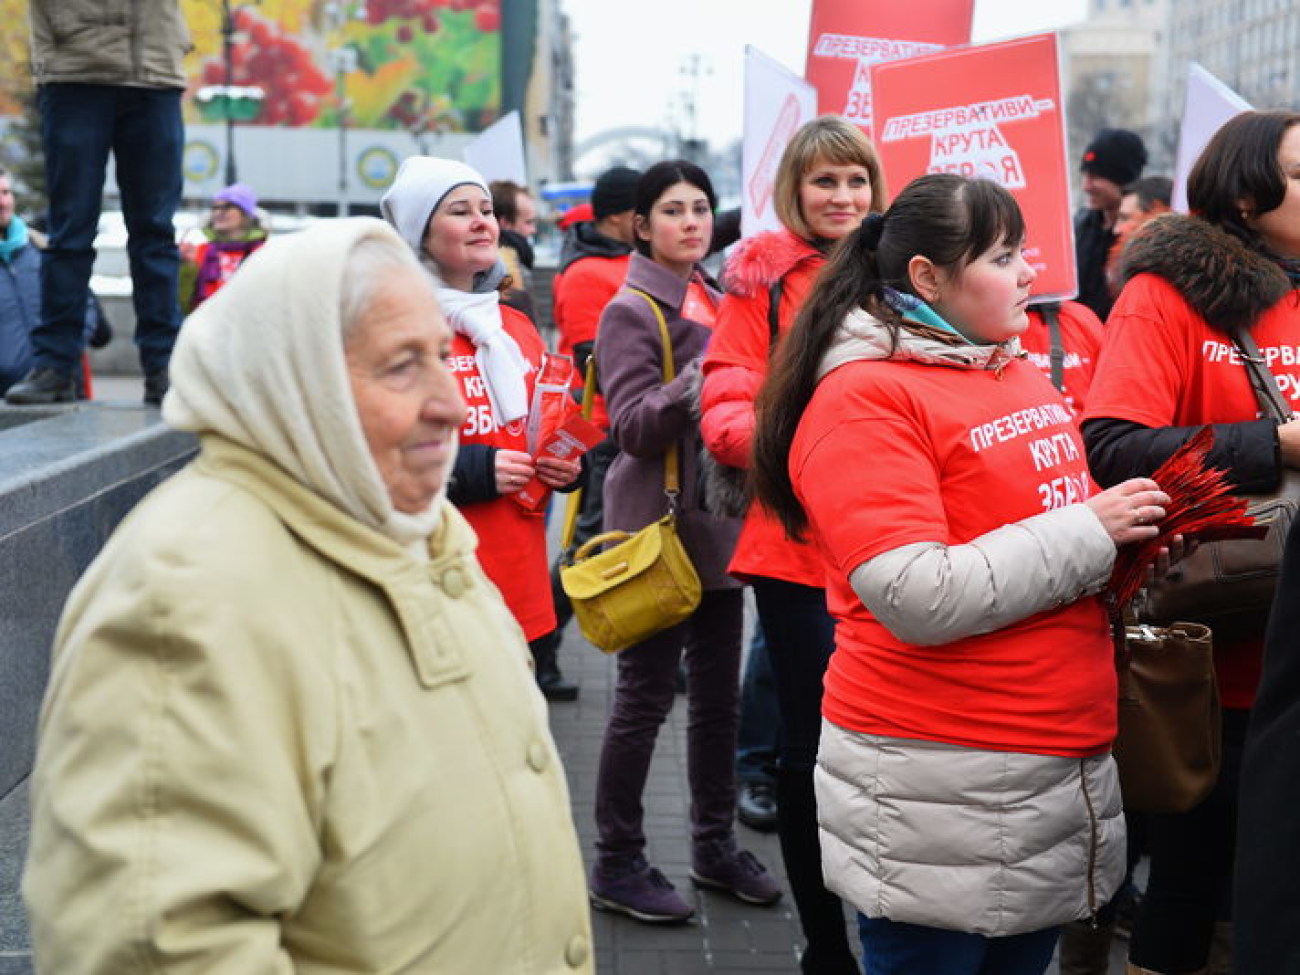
1168	744
1229	584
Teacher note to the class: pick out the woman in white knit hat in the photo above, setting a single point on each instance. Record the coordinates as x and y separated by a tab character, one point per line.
290	724
443	209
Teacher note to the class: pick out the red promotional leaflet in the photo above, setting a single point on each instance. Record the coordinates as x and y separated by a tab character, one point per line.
551	400
993	111
574	437
846	37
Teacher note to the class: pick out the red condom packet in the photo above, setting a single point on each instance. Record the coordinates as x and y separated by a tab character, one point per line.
552	401
574	438
1200	508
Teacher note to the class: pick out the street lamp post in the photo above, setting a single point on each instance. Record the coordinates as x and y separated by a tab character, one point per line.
227	54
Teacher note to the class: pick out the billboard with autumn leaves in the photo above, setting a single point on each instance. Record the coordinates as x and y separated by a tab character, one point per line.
432	65
400	64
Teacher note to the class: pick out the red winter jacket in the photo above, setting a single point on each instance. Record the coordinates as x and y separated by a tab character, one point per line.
734	368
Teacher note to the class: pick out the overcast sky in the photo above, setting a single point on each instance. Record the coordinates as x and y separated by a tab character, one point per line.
631	59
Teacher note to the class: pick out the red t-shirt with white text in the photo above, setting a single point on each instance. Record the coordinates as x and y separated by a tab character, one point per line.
1081	333
511	541
890	453
1163	365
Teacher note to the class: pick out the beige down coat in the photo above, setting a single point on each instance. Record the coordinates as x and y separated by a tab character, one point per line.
138	43
274	741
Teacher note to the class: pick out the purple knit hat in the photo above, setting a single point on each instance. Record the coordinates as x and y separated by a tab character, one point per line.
240	195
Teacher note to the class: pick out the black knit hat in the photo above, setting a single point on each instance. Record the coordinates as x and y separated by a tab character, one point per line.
1115	154
614	192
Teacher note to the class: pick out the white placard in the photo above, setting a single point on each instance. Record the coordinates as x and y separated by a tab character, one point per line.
498	152
777	102
1209	103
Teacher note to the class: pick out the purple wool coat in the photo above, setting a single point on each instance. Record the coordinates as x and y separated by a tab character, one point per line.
647	416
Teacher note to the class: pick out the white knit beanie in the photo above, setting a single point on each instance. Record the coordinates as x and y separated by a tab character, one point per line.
420	185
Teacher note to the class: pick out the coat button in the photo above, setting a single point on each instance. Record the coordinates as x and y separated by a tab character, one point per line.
538	759
453	583
577	951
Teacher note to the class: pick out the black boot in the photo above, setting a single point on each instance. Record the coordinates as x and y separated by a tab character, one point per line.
42	386
821	913
552	683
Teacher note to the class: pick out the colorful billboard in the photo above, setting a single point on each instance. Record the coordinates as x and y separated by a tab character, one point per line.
416	65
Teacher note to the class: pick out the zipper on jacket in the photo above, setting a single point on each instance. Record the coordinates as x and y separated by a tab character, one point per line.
1092	844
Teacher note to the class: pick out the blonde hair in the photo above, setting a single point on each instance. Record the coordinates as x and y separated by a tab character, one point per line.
829	139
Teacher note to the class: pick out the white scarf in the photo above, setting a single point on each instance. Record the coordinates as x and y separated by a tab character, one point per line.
477	316
261	363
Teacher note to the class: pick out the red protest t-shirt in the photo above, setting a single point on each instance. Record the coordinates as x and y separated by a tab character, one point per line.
1163	365
511	541
892	453
1081	332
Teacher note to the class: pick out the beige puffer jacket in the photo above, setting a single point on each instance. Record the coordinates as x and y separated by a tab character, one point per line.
990	843
109	42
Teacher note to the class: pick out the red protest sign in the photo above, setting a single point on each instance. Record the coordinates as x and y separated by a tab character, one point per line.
846	37
992	111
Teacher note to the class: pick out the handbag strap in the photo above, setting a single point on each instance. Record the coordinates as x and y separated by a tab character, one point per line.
1271	401
672	481
1052	316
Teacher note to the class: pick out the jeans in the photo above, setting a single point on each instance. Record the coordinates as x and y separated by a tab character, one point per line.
800	635
759	736
80	125
643	697
894	948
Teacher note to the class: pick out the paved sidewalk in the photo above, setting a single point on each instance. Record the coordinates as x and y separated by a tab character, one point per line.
725	936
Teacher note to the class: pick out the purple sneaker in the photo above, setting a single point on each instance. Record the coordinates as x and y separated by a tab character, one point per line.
635	888
722	865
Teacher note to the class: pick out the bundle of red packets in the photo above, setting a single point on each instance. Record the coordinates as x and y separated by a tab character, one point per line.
1201	509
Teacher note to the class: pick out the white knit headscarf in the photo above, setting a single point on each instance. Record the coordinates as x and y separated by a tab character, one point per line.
262	363
421	184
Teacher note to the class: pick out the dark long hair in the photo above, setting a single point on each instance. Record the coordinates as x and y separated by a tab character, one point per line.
1239	167
946	218
656	180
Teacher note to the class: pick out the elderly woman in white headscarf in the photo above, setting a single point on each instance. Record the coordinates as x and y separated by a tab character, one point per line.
290	725
443	209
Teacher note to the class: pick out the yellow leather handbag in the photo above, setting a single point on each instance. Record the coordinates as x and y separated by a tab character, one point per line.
643	582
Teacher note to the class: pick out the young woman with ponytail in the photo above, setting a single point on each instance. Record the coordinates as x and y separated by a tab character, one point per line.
828	180
968	801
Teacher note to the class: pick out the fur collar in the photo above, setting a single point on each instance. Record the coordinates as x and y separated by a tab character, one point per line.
1225	282
762	260
861	336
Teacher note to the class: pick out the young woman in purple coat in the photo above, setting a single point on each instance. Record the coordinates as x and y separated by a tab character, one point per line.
674	224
